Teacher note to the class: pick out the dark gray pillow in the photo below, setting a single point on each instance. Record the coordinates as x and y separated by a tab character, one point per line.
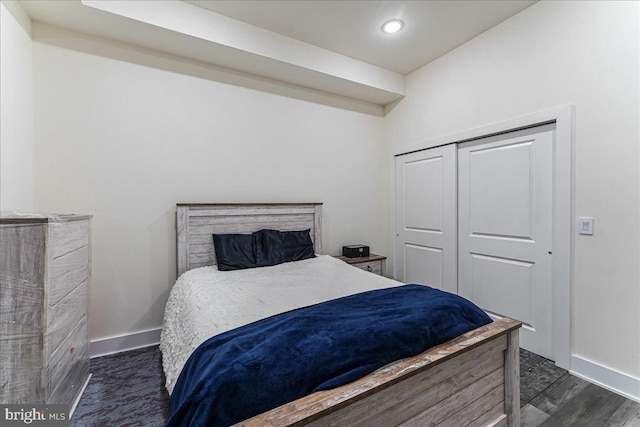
234	251
274	247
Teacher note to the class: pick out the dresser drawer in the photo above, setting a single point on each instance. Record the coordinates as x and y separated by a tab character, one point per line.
68	236
20	367
67	272
65	314
372	267
65	362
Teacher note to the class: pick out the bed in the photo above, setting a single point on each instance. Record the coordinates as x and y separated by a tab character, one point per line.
472	379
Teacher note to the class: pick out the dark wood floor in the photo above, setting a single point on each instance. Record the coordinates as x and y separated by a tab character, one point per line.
550	396
127	389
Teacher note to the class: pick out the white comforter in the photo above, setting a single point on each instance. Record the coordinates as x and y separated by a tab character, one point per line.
205	302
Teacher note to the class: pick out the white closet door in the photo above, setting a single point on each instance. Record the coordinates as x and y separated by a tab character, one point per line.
426	218
504	230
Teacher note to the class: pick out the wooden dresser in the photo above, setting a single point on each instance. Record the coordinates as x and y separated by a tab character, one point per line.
45	270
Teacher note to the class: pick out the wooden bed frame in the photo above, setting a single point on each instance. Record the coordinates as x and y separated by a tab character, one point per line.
471	380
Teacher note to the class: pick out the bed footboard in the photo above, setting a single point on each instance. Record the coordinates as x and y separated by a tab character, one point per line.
472	380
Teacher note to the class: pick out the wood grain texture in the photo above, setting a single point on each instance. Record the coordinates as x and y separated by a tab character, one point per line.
69	236
500	421
65	314
260	220
465	406
532	416
257	204
62	358
41	219
67	272
407	399
52	261
22	250
68	367
315	407
22	275
512	380
317	228
196	223
358	260
182	238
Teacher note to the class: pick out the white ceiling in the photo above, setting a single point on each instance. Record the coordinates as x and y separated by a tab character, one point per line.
352	28
330	47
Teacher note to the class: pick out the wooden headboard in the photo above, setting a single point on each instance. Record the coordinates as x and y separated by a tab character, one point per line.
196	222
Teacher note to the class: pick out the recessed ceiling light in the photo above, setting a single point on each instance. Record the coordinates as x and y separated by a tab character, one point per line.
392	26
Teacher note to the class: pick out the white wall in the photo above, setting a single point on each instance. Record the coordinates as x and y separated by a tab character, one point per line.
124	139
551	54
16	109
125	142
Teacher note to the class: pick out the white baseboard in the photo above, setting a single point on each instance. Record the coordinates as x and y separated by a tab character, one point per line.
79	396
617	382
120	343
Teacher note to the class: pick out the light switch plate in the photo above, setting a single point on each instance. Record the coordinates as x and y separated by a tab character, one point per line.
585	226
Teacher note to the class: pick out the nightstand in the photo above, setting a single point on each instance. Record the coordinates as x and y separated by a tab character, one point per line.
372	263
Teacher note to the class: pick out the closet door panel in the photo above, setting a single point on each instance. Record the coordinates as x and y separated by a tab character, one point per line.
504	226
423	265
426	218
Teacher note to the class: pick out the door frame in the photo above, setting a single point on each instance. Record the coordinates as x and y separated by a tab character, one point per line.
562	209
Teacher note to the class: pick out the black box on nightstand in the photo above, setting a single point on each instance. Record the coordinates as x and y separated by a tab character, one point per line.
355	251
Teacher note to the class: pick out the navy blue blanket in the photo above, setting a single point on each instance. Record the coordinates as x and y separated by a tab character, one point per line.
252	369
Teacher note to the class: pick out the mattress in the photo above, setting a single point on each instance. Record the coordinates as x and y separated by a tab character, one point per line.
205	302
